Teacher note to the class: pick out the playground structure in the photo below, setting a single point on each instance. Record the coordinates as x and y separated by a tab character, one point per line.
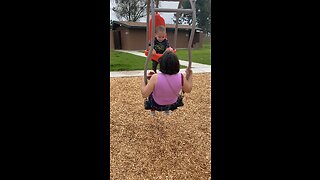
155	21
162	147
152	9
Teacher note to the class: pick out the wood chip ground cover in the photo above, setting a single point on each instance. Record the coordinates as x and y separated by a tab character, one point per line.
162	147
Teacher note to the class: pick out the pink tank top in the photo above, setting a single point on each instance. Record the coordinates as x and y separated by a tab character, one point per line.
165	93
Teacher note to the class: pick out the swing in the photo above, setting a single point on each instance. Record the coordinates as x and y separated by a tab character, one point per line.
159	21
157	107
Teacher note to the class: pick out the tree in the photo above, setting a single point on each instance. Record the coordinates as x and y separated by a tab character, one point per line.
130	10
203	15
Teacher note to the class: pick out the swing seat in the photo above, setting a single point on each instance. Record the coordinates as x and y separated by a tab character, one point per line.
148	106
159	21
155	57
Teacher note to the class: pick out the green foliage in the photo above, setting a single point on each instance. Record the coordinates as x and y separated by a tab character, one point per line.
203	14
131	10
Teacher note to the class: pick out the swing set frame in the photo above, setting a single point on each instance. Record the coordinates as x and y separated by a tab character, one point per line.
152	9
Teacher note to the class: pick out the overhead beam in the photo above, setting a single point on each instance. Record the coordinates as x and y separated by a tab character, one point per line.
173	10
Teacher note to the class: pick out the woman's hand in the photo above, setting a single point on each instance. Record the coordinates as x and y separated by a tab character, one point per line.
188	72
146	90
187	85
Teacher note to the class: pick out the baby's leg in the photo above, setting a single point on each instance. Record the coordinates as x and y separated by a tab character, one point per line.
167	112
154	66
153	113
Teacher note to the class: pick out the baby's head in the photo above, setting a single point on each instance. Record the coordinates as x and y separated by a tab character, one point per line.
160	33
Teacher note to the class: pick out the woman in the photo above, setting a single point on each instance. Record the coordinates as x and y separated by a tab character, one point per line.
164	88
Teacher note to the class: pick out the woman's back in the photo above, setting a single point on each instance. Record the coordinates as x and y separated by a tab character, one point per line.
163	89
167	88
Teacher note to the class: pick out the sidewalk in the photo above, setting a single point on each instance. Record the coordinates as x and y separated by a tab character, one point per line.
196	67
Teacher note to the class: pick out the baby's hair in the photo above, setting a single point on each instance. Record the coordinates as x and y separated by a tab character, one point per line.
160	29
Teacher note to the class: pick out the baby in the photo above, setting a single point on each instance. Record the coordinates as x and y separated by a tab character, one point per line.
161	44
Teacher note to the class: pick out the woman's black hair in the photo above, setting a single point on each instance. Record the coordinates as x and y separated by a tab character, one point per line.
169	63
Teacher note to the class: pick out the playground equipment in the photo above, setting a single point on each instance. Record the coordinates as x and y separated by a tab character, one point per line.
157	21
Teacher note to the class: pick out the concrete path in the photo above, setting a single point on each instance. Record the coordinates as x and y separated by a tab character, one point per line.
196	67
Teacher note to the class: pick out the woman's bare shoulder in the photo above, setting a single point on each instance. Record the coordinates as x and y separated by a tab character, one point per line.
154	78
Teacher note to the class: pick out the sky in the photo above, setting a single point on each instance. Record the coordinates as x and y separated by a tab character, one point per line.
162	4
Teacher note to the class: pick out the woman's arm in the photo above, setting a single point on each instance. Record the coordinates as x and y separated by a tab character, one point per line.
187	85
146	90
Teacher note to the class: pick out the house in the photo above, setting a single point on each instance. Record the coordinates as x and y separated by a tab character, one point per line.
111	39
132	35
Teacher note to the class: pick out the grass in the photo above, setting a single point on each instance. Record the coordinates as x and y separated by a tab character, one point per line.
201	55
120	61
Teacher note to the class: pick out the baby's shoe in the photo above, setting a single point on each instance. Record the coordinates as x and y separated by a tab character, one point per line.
168	112
153	113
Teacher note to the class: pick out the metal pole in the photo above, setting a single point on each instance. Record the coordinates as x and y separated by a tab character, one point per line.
152	42
173	10
176	27
192	2
147	26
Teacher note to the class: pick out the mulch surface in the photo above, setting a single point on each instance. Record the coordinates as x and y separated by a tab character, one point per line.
177	146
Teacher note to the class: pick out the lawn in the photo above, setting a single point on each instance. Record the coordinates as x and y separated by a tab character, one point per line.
201	55
120	61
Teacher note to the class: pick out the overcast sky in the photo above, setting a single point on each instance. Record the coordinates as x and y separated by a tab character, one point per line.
162	4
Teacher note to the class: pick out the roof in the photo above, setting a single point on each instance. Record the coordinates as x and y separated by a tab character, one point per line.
130	24
169	0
